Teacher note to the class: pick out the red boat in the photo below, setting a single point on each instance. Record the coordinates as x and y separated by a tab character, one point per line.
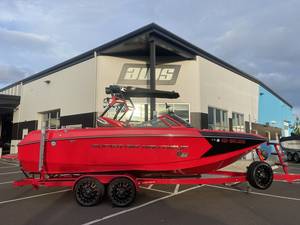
124	155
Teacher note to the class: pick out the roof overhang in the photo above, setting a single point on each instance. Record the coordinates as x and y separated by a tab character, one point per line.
8	103
139	45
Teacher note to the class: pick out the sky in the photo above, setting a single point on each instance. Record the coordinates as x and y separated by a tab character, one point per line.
259	37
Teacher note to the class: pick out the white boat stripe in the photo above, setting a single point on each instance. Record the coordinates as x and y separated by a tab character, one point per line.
139	206
255	193
34	196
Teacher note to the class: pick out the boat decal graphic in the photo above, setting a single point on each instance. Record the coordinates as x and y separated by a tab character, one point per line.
113	136
226	145
150	147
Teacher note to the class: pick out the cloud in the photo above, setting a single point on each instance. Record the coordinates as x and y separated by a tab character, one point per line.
265	45
9	74
260	38
19	40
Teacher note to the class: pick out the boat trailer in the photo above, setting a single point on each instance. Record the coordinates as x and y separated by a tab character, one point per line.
126	184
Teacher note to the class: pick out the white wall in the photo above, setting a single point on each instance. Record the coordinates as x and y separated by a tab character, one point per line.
72	90
224	89
109	69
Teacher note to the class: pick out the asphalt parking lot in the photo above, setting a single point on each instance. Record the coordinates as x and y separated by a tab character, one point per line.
158	204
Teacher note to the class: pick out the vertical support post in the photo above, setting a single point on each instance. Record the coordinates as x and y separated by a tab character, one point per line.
146	112
42	147
96	89
152	77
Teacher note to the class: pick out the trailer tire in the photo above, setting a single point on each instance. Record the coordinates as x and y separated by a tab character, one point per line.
121	191
260	175
289	156
88	191
297	157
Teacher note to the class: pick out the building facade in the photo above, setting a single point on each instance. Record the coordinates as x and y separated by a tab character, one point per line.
213	94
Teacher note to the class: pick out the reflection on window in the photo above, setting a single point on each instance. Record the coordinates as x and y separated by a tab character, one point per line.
217	119
171	122
140	114
51	119
238	123
180	109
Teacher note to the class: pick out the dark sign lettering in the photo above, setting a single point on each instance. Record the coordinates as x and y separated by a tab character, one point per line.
139	74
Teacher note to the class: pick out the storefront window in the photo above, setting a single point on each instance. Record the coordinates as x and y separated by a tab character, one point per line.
51	119
238	123
217	119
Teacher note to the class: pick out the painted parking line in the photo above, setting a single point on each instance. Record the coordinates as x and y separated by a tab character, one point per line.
284	181
7	182
157	190
13	172
176	188
7	167
8	163
150	186
293	168
34	196
140	206
254	193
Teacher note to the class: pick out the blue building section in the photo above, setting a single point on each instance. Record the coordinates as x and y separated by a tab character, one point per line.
273	111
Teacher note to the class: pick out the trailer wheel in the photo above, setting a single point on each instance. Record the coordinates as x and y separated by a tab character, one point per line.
297	157
88	191
260	175
289	156
121	191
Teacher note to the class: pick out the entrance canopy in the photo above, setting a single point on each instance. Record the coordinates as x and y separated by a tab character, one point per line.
8	103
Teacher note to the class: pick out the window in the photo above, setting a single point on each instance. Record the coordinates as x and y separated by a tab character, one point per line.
217	119
51	119
180	109
238	123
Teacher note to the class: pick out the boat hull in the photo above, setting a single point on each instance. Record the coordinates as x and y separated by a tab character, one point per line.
101	150
291	144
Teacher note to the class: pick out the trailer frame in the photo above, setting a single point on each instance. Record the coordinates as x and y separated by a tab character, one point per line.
215	177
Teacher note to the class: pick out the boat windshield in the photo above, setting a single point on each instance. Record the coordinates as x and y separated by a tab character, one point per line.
179	119
158	122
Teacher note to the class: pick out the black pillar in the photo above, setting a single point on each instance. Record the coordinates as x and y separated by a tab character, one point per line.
152	76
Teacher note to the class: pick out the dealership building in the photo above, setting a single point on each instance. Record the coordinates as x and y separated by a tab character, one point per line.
213	93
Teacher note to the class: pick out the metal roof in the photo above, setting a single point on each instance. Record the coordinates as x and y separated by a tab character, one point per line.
8	103
166	39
